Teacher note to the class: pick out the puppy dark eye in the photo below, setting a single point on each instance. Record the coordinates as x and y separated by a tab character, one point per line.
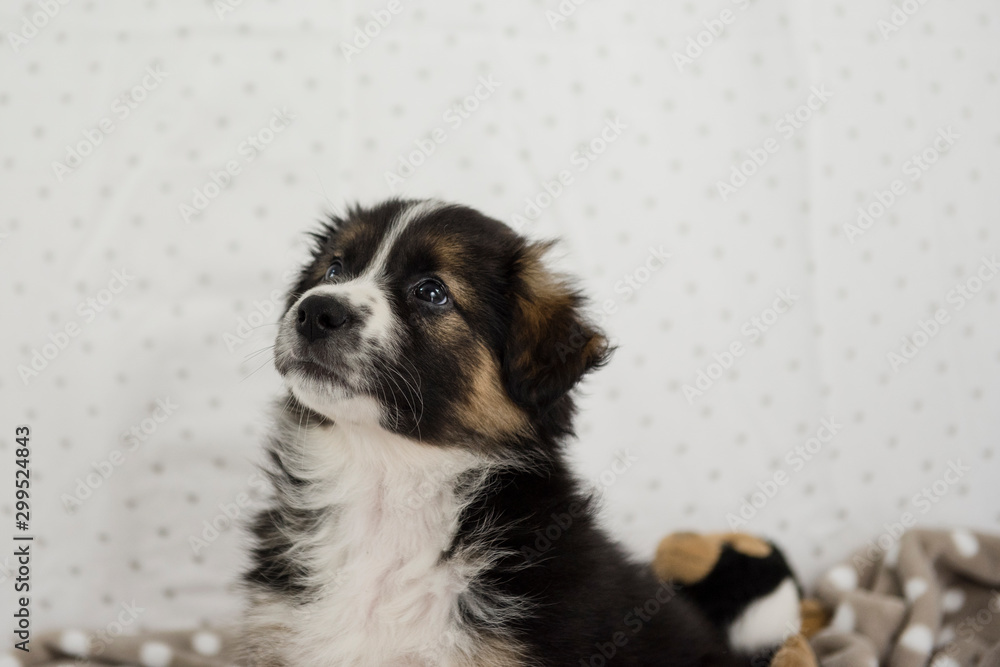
336	269
431	291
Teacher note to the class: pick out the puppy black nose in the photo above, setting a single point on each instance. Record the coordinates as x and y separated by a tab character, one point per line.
320	315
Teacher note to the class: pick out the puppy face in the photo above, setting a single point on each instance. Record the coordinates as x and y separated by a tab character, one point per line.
437	323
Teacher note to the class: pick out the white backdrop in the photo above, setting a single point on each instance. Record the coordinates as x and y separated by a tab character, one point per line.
170	92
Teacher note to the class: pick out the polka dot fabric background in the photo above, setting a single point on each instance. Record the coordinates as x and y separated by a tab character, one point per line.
703	163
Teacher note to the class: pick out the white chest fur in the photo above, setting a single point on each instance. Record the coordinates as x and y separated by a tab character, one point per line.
386	595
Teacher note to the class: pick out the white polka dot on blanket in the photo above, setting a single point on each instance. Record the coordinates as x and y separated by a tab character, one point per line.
74	642
206	643
952	600
965	542
915	587
843	577
9	661
945	661
918	638
946	636
155	654
844	619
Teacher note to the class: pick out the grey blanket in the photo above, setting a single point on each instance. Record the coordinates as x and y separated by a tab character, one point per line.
927	597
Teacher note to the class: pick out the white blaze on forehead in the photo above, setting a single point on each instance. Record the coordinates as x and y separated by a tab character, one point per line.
377	267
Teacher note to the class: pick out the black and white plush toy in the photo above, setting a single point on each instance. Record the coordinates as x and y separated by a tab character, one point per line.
745	586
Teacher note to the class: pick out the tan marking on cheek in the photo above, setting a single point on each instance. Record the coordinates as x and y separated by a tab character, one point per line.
449	329
488	409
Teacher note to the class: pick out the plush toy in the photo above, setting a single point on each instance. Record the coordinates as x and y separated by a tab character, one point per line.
744	585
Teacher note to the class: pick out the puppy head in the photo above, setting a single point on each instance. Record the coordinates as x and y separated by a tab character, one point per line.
435	322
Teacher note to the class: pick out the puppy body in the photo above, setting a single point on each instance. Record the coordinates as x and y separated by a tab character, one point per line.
424	513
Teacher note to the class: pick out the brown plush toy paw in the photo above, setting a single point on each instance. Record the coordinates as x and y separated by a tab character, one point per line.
795	652
744	585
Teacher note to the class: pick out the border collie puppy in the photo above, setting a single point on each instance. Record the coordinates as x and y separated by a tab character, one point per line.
429	358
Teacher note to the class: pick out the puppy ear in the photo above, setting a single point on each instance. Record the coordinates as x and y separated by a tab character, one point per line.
550	345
